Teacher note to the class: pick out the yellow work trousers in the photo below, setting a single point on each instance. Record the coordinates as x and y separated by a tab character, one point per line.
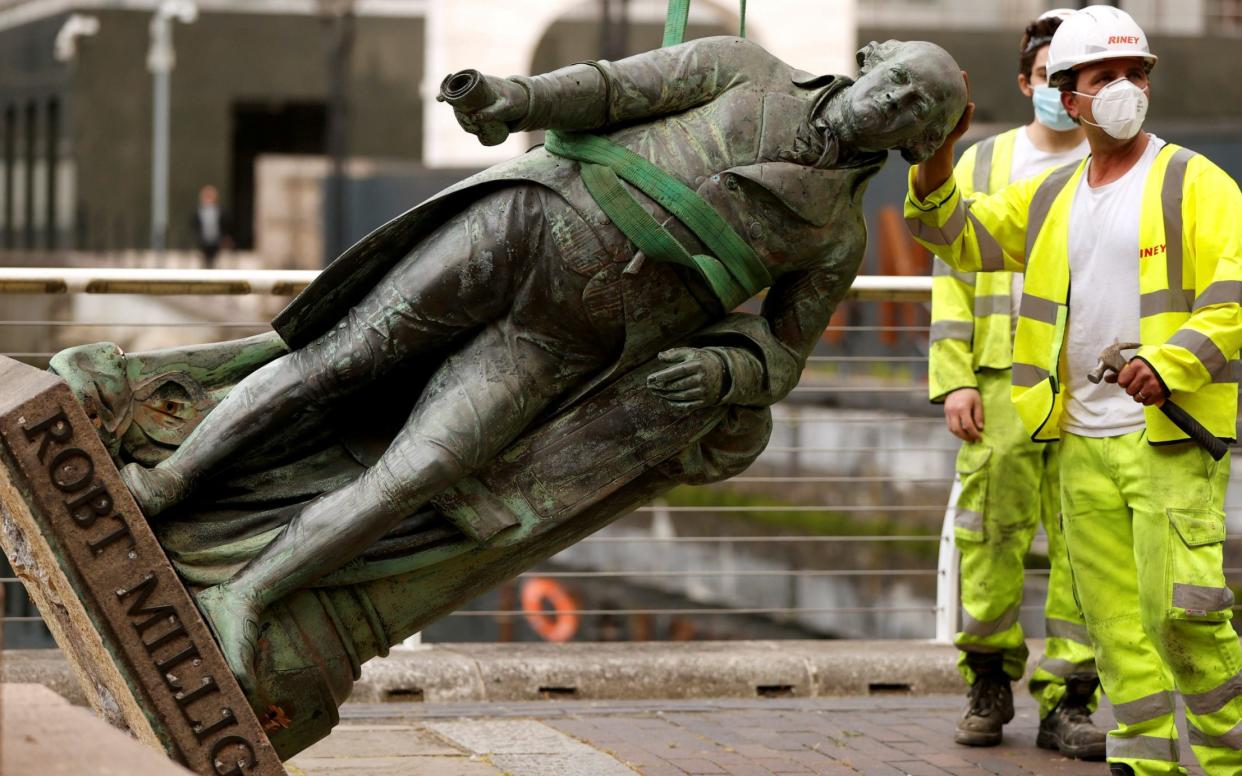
1145	529
1010	487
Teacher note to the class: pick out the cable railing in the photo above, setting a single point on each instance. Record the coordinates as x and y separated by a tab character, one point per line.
840	528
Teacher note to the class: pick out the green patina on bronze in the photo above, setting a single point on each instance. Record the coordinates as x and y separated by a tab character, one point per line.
499	372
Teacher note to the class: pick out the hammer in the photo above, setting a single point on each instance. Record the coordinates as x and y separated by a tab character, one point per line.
1111	360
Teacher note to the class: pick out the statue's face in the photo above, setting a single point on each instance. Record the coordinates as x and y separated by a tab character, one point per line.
909	101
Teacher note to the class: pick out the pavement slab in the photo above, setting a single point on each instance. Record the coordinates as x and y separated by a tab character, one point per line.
884	735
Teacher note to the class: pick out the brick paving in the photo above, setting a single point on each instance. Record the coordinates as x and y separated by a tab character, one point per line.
883	735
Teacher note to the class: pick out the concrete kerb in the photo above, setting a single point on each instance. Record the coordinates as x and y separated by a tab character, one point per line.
460	673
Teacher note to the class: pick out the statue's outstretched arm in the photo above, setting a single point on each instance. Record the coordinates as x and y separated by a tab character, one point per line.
599	95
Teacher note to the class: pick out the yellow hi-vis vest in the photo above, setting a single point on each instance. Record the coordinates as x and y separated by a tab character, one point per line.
971	312
1190	281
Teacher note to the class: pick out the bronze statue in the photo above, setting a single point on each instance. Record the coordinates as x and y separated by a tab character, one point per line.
499	372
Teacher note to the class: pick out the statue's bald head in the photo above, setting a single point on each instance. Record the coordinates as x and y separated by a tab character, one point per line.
909	95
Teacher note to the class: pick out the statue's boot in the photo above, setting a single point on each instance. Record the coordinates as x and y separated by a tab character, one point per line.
156	489
323	536
234	619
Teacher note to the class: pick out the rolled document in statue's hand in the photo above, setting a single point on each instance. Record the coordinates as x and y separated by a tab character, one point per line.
469	92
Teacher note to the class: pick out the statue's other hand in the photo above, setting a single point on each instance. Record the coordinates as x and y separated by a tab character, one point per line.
511	104
491	122
695	378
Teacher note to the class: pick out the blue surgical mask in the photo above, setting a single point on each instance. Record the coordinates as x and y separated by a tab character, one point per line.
1048	109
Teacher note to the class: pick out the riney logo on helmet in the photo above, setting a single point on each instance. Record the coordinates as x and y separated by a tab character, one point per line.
1132	40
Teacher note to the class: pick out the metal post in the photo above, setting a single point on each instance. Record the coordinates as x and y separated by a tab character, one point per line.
339	18
160	61
159	144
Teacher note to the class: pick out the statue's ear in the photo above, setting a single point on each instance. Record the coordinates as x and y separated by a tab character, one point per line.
865	55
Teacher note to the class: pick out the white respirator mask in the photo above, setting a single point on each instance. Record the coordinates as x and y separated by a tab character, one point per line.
1119	107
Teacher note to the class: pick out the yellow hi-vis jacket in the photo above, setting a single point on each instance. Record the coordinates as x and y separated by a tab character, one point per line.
1190	281
971	312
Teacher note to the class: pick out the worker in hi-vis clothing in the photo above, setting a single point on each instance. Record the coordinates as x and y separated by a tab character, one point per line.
1009	482
1149	237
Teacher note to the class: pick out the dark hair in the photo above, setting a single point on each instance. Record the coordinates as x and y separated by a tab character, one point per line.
1037	35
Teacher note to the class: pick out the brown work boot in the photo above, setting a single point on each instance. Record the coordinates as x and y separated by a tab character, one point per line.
991	704
1068	727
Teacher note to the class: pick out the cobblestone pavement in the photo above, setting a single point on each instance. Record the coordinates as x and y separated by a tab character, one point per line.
884	735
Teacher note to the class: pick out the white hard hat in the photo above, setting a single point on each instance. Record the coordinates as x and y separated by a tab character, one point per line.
1057	13
1093	34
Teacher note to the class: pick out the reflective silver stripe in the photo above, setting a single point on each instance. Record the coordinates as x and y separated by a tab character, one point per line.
1220	292
968	519
1039	309
1041	203
1028	375
1152	707
990	254
1230	740
1066	669
1171	205
952	330
981	180
1166	300
1215	699
940	235
1205	350
1201	599
940	269
1143	748
1235	371
997	304
989	627
1064	629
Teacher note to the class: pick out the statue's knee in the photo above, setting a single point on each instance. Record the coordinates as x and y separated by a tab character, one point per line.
405	478
728	449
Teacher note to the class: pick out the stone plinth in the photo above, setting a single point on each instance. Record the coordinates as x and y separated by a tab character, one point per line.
130	630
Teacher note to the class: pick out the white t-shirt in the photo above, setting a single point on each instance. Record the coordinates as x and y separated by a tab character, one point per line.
1027	161
1104	297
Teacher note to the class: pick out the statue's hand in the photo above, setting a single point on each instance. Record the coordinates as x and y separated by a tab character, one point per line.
695	378
509	107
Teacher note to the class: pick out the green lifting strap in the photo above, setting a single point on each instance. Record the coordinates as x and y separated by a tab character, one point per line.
675	22
679	13
737	256
656	242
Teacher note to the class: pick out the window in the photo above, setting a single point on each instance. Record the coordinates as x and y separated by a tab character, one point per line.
1225	17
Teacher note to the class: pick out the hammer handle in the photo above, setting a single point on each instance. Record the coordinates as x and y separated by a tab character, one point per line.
1195	430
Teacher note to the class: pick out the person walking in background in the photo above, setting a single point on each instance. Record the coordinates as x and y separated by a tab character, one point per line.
1147	235
210	225
1009	484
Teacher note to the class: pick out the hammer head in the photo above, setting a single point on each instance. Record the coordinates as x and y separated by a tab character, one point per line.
1111	360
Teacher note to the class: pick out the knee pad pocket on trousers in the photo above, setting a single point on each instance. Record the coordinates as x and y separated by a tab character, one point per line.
1197	587
972	469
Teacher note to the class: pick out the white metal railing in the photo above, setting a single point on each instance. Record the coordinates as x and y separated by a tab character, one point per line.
285	282
794	449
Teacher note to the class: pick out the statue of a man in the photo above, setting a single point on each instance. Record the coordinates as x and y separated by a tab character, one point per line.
516	292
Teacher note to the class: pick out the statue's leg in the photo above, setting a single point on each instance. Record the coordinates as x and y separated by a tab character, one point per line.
479	400
464	275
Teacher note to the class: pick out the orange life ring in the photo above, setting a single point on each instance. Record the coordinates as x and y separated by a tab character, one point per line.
559	625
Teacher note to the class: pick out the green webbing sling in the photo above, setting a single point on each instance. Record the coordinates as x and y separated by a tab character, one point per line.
679	12
744	273
736	273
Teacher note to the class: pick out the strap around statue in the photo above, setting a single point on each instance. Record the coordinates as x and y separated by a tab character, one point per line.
735	274
679	14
